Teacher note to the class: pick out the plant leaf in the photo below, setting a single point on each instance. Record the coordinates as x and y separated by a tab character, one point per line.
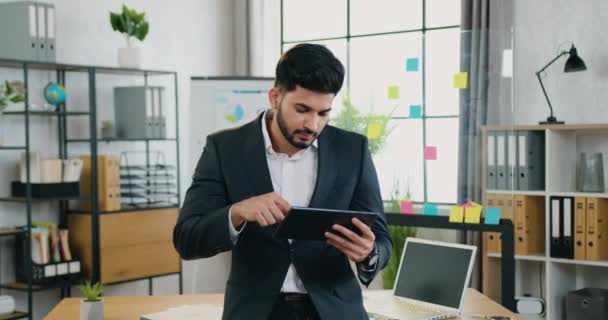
117	22
141	31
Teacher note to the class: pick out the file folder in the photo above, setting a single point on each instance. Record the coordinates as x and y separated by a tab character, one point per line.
108	182
597	229
491	160
50	33
501	161
531	160
555	225
529	225
505	203
568	227
136	110
19	31
580	228
150	113
41	23
162	120
492	237
511	160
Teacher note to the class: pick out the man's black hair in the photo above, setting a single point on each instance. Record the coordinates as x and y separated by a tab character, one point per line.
310	66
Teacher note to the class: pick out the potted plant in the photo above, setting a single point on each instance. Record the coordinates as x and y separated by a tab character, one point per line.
91	308
133	25
10	92
107	130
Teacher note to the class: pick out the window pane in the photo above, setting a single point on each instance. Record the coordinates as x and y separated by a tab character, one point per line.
379	62
385	15
442	173
442	63
313	19
441	13
399	163
338	48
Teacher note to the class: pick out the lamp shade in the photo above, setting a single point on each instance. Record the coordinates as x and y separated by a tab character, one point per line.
574	62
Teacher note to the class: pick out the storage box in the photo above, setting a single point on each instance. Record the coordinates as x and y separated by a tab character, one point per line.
588	304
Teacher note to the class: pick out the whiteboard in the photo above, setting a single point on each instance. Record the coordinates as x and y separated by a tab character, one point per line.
217	103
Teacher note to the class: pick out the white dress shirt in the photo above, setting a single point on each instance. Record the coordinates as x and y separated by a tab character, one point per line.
293	178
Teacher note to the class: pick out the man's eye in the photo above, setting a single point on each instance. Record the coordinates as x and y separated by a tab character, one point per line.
301	110
324	114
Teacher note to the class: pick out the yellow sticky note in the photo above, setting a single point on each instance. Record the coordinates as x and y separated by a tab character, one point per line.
374	130
473	215
461	80
393	92
456	214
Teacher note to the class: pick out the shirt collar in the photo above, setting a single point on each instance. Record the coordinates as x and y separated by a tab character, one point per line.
267	142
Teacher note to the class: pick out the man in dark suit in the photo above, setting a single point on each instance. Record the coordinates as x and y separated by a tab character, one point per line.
248	177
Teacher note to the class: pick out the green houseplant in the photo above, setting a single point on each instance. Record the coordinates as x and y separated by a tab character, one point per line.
133	25
10	92
351	119
91	308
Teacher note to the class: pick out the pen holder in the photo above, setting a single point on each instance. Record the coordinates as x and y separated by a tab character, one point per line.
590	172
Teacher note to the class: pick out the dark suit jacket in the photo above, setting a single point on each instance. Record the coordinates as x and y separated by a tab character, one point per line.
232	168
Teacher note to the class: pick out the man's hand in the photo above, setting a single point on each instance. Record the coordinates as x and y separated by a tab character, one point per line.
266	209
356	247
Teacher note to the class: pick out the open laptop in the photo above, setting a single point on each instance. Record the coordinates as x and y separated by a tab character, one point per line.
432	280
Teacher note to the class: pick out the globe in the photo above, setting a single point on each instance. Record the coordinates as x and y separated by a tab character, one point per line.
54	93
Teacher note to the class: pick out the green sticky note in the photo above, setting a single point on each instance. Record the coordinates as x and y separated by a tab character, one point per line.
374	130
393	92
456	214
461	80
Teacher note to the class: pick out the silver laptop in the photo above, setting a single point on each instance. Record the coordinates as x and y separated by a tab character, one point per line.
432	279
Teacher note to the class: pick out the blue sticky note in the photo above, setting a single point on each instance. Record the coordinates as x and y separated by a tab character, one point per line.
492	216
430	210
415	111
411	65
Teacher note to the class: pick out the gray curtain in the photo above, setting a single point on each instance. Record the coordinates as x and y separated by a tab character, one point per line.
473	110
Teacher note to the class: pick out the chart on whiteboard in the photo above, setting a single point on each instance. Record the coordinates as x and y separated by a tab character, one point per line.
237	107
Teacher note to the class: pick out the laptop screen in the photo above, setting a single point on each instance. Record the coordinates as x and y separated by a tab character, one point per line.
434	273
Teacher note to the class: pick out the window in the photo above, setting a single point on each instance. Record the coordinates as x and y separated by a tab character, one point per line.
375	40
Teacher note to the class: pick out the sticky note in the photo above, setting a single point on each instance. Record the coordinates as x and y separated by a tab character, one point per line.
430	209
473	215
374	130
492	216
411	65
415	111
461	80
470	204
393	92
456	214
430	153
407	207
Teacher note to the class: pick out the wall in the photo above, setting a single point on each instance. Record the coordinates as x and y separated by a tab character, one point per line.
541	28
191	37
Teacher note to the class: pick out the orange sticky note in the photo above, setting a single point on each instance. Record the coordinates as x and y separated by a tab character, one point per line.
461	80
407	207
393	92
473	215
456	214
374	130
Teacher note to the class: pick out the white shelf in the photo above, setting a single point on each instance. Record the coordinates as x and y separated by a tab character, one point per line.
538	258
519	192
580	262
579	194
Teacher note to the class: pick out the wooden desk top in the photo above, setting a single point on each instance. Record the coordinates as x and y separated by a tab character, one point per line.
131	308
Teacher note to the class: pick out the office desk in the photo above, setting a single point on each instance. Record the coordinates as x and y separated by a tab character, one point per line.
130	308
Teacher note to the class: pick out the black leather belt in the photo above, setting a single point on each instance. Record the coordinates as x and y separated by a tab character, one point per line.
294	296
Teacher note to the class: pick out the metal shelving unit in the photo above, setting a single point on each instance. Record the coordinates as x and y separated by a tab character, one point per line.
61	114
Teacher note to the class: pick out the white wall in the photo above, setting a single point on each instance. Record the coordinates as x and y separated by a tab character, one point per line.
540	27
192	37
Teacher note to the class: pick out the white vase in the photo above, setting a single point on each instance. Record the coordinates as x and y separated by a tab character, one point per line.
91	310
129	57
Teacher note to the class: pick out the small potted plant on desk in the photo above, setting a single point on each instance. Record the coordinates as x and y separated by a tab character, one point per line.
91	308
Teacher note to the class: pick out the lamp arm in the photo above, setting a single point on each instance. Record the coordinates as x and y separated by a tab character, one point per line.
541	81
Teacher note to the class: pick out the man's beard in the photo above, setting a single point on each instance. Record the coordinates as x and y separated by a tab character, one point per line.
291	137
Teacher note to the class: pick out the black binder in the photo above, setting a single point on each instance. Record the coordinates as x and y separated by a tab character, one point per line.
561	223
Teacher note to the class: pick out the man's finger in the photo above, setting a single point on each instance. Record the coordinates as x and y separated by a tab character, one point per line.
353	255
276	212
259	217
269	216
281	203
350	235
365	229
344	243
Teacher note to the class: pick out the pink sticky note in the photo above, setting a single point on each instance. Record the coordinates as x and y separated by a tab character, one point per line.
430	153
407	207
468	205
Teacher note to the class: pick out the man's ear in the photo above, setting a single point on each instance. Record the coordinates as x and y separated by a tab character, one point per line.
274	97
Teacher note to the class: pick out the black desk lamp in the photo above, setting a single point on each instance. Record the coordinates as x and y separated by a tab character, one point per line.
573	64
